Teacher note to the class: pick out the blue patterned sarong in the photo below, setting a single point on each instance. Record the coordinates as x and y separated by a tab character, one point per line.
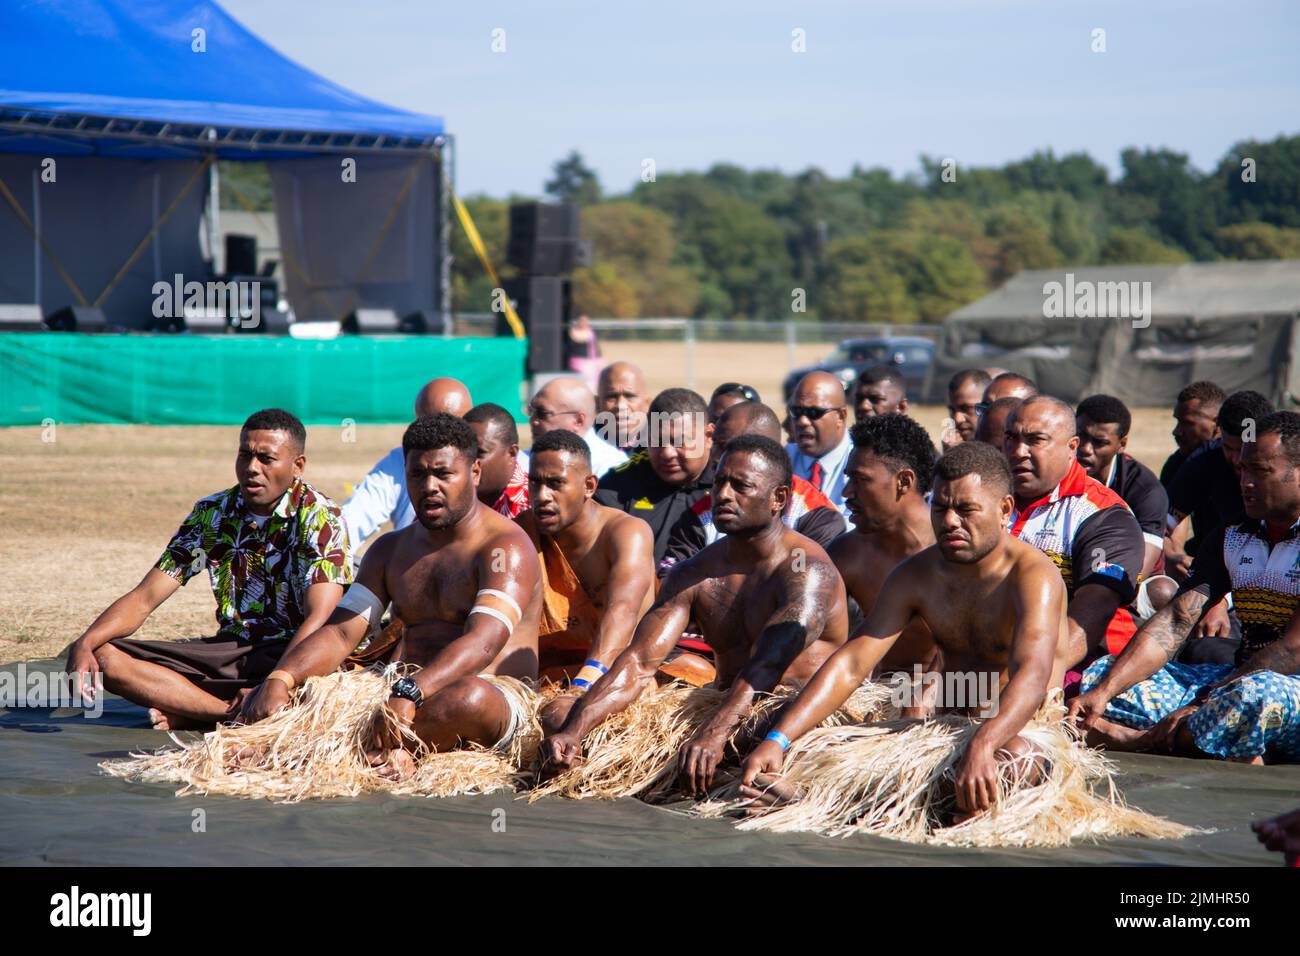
1256	715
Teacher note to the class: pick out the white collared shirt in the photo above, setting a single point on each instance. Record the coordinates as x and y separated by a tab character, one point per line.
381	496
833	463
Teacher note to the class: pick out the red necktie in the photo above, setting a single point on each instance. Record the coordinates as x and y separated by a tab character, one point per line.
816	475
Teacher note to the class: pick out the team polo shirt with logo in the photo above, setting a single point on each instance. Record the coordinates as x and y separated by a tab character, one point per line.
1092	537
635	488
1264	579
809	512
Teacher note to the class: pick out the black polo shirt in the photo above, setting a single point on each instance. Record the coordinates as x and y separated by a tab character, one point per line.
1142	492
1207	488
634	487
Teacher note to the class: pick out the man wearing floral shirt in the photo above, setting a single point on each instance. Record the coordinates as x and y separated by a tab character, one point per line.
276	552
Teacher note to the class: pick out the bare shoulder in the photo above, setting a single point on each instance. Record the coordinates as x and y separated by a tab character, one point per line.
1033	569
621	530
503	535
806	548
850	546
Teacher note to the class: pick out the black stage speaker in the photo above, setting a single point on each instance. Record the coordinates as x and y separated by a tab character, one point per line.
541	237
371	322
543	304
78	318
241	254
25	317
422	322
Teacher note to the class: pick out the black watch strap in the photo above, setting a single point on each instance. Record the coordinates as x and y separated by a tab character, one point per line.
408	689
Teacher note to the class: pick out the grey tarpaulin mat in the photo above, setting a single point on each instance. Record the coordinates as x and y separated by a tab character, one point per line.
57	808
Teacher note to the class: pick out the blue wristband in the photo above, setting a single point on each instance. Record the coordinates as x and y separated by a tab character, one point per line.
579	682
780	738
598	665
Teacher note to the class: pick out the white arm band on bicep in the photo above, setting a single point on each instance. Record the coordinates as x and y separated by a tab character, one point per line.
499	605
365	604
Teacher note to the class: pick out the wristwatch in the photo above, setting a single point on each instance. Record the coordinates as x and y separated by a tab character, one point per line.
407	689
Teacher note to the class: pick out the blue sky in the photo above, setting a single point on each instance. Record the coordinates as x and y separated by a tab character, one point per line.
691	84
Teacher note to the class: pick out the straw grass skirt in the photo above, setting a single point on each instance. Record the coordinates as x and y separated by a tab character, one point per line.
316	749
894	779
634	753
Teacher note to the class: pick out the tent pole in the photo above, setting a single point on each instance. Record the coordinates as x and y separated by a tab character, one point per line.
214	207
447	187
36	235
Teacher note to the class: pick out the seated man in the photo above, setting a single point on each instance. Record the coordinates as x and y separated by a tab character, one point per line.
1009	385
879	391
889	472
1196	412
767	599
992	426
728	394
810	512
567	403
818	424
597	568
1248	710
1084	527
660	484
503	484
965	398
276	553
381	496
623	401
1103	423
996	608
464	582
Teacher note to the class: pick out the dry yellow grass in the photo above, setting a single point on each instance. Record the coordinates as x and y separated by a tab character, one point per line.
83	518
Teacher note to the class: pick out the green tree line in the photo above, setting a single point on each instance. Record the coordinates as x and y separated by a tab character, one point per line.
737	243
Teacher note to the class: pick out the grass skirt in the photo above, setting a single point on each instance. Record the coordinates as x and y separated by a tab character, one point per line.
316	748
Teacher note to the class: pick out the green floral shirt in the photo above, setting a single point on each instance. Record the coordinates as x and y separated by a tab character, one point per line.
260	575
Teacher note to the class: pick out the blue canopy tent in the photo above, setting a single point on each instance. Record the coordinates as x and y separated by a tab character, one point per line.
112	113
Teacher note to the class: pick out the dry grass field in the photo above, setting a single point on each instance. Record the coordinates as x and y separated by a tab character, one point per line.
82	518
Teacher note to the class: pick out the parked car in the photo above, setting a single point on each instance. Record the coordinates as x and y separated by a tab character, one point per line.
910	355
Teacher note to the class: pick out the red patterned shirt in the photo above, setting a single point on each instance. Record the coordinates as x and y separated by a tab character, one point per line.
514	499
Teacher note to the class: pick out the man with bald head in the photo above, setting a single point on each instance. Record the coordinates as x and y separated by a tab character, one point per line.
1083	526
569	404
808	512
1009	385
446	395
622	402
381	496
819	426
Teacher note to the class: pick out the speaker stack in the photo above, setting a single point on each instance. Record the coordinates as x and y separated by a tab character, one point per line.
544	245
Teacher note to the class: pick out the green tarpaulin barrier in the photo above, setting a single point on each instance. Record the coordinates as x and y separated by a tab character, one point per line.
221	379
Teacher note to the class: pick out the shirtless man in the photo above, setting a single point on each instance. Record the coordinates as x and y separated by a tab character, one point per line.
995	605
889	472
598	569
767	599
464	582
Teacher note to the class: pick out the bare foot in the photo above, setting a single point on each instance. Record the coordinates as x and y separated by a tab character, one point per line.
1112	736
165	721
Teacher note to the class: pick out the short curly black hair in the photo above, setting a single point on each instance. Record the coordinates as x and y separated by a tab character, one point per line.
440	430
1106	410
976	458
558	439
1205	392
278	420
1286	426
900	441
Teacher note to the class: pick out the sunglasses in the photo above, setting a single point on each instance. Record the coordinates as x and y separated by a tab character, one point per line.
732	387
810	412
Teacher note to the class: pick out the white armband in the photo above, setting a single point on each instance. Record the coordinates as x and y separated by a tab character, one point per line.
365	604
497	604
